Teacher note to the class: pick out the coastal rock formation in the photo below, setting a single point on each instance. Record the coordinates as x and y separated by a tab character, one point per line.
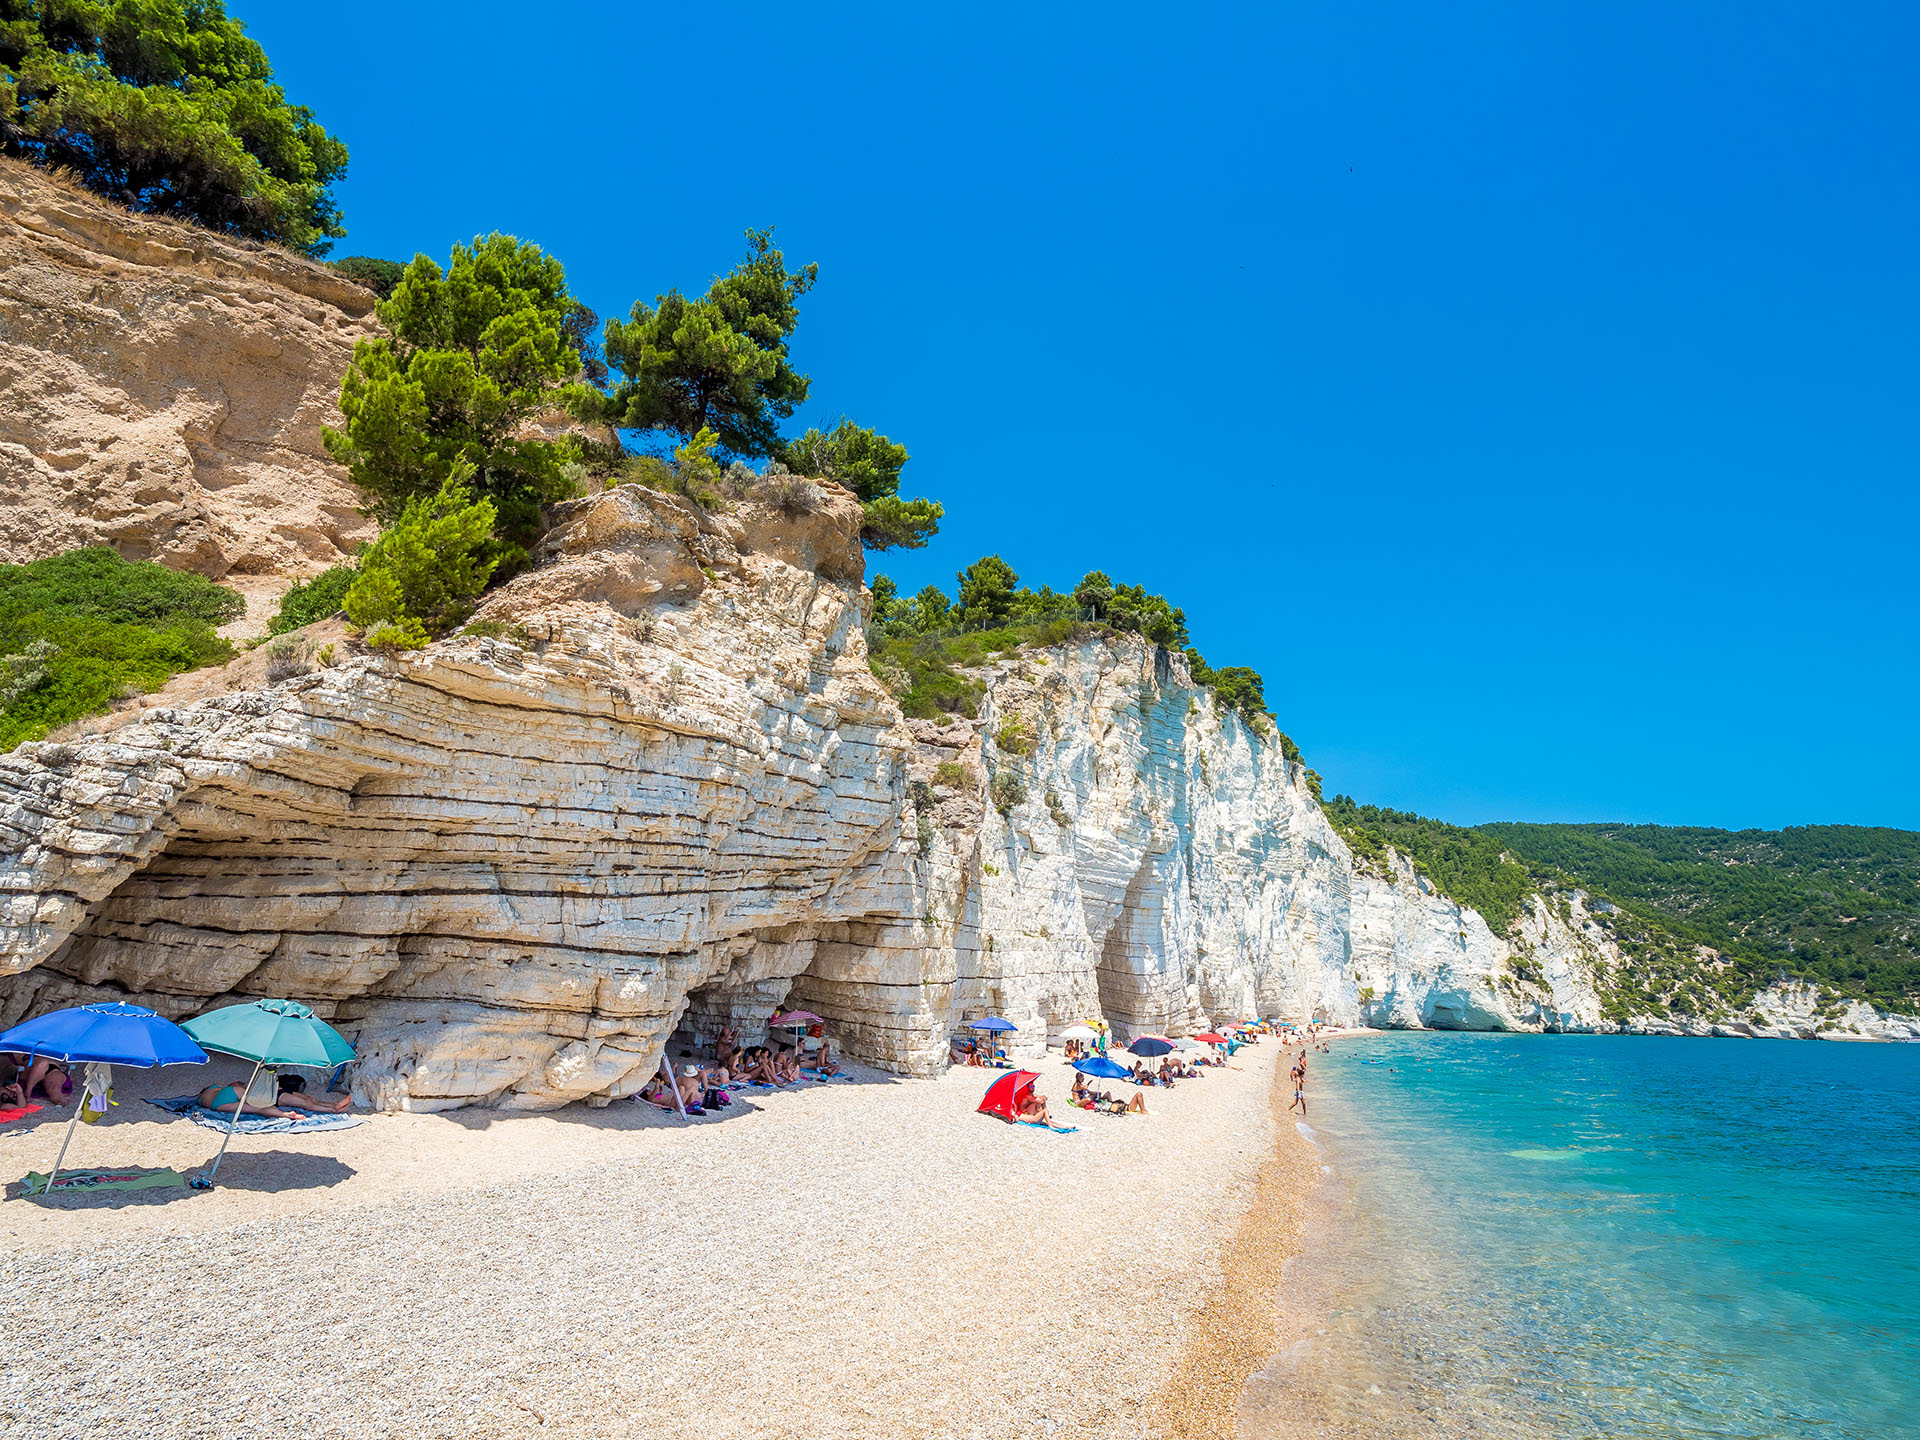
504	865
660	790
165	390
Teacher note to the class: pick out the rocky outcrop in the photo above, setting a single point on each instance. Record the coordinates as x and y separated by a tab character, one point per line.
504	865
658	790
165	390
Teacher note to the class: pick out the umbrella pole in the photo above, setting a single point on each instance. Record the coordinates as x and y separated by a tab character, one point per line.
233	1124
63	1145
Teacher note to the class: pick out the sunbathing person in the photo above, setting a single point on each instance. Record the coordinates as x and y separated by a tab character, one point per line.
13	1094
231	1099
757	1066
1033	1109
293	1096
1081	1095
821	1061
726	1047
49	1079
657	1092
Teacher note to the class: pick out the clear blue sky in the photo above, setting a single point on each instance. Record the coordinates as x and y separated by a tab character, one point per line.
1530	392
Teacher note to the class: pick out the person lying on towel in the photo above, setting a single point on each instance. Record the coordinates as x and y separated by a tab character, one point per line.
289	1104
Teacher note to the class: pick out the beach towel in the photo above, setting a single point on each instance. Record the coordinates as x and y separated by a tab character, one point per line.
190	1106
1056	1129
84	1182
18	1112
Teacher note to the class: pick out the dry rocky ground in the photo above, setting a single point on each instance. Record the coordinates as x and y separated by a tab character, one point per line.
865	1259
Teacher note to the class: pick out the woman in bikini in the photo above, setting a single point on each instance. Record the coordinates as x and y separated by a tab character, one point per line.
293	1096
231	1099
1033	1109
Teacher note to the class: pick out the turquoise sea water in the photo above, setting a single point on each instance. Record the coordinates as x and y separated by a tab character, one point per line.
1576	1236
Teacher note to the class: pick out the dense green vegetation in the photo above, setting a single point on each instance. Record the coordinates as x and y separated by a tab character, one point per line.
421	577
918	645
1464	865
313	599
79	630
166	106
476	350
1835	905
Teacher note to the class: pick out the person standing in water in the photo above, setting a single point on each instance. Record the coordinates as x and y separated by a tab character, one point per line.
1299	1085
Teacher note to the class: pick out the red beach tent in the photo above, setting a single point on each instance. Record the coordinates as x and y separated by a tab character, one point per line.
1003	1097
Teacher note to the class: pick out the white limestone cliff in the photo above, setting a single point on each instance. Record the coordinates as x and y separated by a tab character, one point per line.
670	794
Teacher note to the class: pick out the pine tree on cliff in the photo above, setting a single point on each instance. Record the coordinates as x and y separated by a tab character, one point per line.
476	351
869	465
720	363
166	106
717	363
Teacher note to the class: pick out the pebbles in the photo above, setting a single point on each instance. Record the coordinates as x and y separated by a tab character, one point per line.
848	1261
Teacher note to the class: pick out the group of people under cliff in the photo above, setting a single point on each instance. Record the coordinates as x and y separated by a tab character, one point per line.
704	1087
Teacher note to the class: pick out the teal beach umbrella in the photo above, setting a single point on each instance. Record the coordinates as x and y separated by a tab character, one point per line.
267	1032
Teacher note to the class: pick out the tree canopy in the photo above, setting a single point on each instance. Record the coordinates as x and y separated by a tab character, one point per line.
166	106
869	465
987	593
475	351
715	363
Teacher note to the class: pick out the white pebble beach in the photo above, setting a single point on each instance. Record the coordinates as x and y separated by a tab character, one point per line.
864	1258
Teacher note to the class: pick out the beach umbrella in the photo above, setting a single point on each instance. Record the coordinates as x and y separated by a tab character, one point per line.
1211	1038
110	1033
1151	1046
267	1032
993	1024
1079	1032
796	1021
1102	1068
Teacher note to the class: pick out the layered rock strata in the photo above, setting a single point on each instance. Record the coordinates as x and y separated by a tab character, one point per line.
165	390
659	791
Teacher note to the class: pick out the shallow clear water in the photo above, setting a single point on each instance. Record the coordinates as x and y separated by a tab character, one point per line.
1583	1236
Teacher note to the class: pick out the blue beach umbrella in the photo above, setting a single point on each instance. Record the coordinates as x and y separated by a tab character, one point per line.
267	1032
110	1033
1103	1068
1151	1046
992	1023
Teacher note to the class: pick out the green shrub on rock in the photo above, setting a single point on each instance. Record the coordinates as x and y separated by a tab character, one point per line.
166	106
1007	791
313	600
421	577
79	630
